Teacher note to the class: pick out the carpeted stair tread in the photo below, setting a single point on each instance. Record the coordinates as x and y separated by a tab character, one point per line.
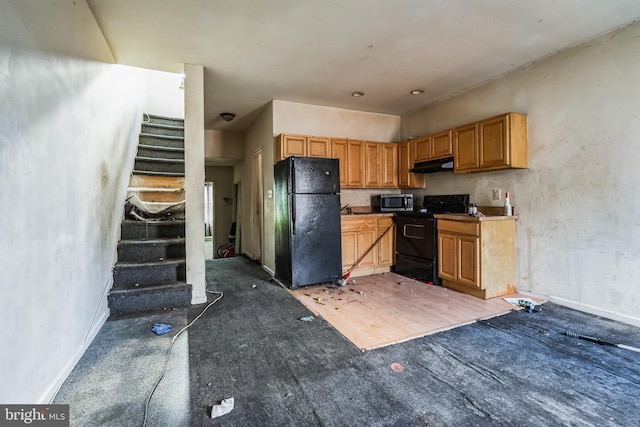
163	126
160	136
160	160
149	298
154	241
155	118
141	172
158	223
134	264
160	148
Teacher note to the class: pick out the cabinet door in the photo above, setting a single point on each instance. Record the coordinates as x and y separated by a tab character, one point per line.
465	147
447	256
355	164
373	165
365	241
339	151
441	144
423	148
385	248
349	249
389	173
294	145
403	165
318	147
468	261
493	142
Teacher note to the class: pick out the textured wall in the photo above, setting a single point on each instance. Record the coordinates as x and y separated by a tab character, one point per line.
68	133
578	236
194	180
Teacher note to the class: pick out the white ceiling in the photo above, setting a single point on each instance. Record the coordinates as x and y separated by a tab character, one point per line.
320	51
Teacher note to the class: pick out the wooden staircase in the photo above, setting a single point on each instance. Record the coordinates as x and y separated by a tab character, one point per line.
150	273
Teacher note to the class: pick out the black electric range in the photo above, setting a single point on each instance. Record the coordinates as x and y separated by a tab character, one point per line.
417	236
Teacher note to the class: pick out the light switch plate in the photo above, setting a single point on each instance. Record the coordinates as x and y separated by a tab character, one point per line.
497	194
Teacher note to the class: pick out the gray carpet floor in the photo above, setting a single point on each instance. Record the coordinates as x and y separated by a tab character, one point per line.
517	369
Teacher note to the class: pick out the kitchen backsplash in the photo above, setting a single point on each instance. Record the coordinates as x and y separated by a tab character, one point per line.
364	197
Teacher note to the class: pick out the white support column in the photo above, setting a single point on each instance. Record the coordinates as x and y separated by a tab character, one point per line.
194	179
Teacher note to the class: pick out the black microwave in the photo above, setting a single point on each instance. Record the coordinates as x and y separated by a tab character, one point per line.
396	202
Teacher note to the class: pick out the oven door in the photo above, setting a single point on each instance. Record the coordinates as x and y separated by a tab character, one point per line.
425	270
416	237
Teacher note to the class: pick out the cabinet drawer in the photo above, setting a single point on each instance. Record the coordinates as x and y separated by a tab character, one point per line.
459	227
385	222
349	224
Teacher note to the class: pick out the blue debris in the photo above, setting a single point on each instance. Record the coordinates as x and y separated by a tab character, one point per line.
161	328
306	318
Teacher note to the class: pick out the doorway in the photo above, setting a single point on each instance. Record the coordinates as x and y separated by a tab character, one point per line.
209	226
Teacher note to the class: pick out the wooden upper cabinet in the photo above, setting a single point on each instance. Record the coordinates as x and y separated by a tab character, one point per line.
465	148
339	151
288	145
373	164
423	148
355	164
492	144
389	167
502	142
406	158
442	144
403	164
318	147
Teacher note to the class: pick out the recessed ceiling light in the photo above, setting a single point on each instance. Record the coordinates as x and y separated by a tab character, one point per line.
417	92
357	94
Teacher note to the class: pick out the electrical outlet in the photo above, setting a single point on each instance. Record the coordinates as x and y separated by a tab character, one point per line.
497	194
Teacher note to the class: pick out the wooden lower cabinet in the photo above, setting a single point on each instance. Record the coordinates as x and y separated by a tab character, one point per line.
359	234
478	257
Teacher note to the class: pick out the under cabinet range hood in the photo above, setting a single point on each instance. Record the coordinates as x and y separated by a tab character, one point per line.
431	166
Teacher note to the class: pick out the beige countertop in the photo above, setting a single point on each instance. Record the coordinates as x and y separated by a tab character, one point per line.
466	218
367	215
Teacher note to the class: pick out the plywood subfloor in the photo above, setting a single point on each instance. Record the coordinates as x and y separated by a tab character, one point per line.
385	309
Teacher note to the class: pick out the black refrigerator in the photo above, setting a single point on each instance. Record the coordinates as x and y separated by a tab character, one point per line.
307	221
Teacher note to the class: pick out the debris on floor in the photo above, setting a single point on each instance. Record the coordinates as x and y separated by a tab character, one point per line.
306	318
224	407
397	367
160	328
525	303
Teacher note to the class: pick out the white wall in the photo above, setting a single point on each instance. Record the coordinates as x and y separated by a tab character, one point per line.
165	96
68	132
225	145
578	235
194	180
258	136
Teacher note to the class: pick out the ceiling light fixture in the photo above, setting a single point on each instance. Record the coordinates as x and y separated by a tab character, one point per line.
417	92
227	116
357	94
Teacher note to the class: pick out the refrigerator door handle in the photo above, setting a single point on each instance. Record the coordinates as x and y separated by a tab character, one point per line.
292	214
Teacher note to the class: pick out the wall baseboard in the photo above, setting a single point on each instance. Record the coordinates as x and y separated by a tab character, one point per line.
268	270
53	388
634	321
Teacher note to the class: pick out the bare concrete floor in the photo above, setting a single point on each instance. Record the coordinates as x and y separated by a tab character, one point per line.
516	369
